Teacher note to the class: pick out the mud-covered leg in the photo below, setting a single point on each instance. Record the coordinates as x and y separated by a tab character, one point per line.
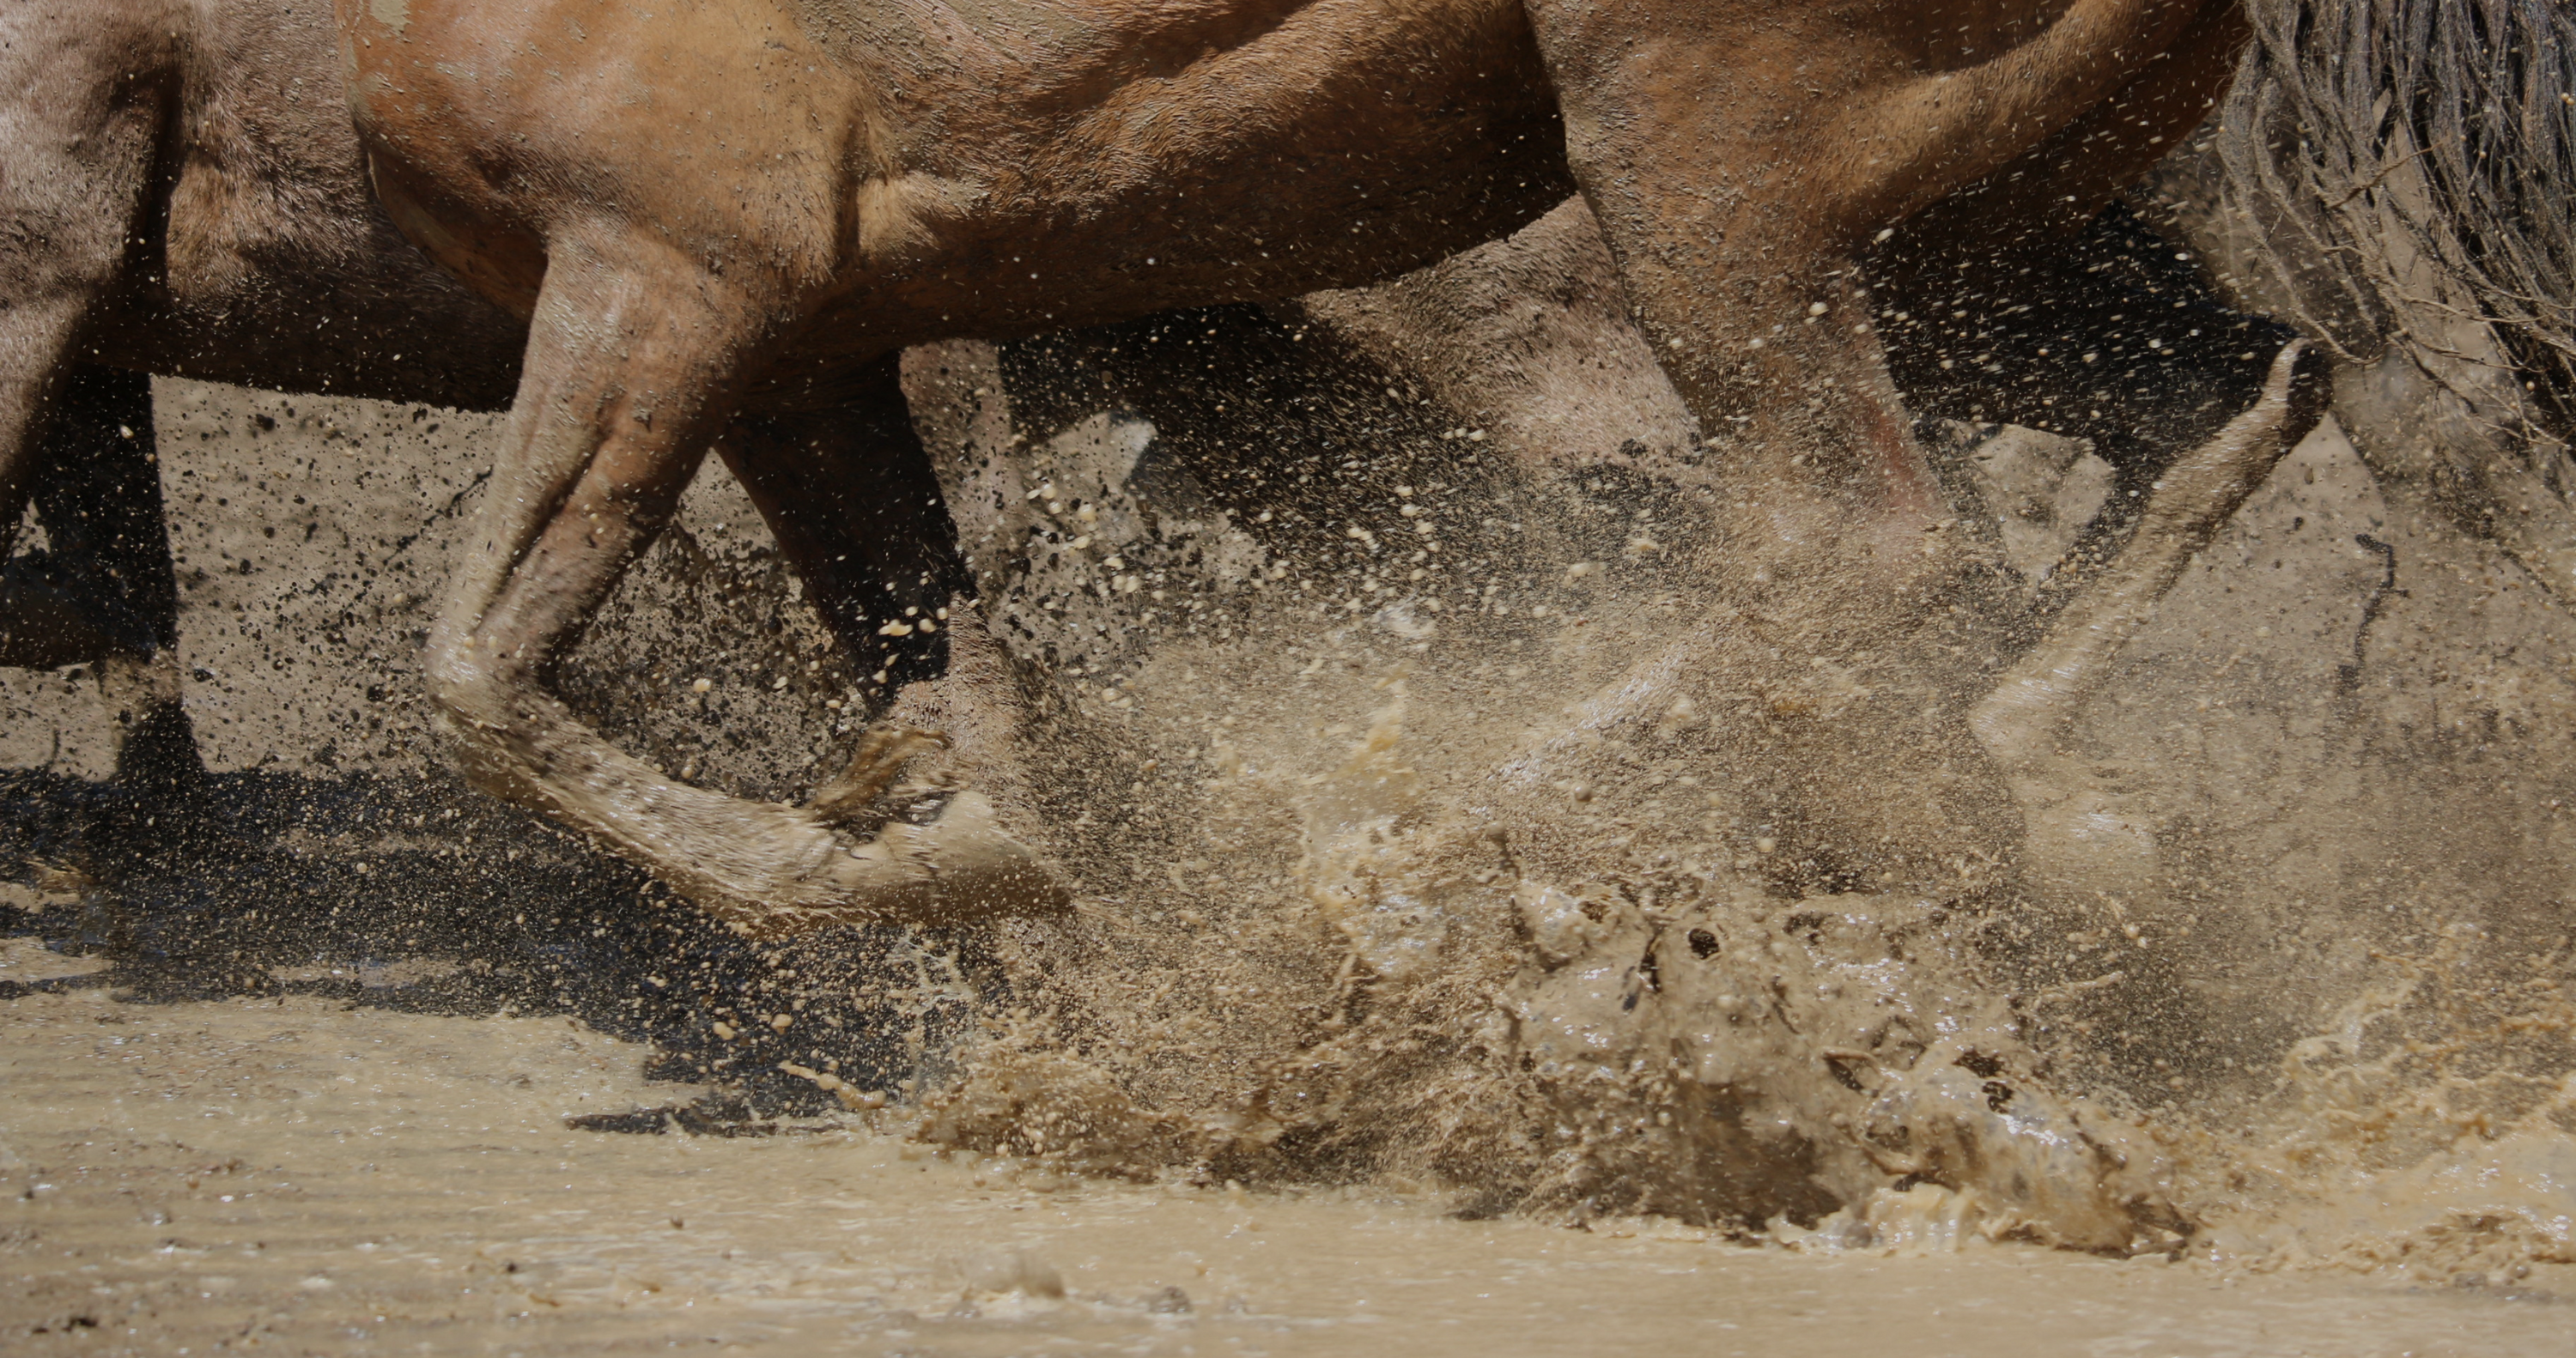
2107	337
109	559
2031	298
2076	835
1805	131
850	496
630	372
1805	135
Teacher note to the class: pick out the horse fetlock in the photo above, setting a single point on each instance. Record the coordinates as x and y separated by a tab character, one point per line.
479	689
854	795
957	868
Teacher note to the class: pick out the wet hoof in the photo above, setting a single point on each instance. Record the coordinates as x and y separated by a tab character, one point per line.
850	800
955	867
975	869
937	849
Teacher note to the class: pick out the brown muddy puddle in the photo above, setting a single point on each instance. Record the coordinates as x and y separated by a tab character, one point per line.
295	1176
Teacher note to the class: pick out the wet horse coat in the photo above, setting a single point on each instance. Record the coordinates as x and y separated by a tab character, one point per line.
183	194
733	210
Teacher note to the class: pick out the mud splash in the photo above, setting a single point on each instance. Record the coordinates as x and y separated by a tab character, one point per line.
1436	839
1442	851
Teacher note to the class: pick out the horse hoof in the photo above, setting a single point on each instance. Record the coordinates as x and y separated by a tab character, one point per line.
955	869
981	871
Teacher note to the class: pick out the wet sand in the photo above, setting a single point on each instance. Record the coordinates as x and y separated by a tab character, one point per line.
292	1175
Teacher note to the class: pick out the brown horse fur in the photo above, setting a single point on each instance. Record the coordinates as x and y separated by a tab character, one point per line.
183	194
726	209
212	141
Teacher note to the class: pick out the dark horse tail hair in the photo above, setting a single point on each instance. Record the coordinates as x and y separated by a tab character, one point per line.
2413	164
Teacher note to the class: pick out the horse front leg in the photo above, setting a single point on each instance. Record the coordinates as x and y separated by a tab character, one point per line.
634	363
1742	162
2192	405
1741	159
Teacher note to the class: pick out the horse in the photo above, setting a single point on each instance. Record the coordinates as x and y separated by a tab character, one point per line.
209	215
735	211
185	196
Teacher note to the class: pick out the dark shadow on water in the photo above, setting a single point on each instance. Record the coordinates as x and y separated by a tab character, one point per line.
417	895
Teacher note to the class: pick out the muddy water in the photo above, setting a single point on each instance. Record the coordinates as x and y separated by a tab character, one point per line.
1418	882
293	1176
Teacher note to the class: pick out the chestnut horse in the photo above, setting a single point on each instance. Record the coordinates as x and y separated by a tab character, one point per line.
726	213
181	193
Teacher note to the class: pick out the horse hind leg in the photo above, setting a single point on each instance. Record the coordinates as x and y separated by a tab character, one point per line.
80	125
100	503
2076	835
632	357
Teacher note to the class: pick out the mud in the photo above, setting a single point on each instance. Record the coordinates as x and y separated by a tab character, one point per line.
296	1176
1442	849
1476	879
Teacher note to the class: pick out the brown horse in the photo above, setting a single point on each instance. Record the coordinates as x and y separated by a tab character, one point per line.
181	193
733	213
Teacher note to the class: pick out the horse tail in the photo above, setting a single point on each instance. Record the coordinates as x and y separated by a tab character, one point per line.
2411	165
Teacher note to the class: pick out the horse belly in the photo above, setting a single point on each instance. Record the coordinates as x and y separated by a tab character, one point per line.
1354	141
272	264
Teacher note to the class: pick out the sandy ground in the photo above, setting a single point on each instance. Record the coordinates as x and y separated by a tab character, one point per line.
294	1176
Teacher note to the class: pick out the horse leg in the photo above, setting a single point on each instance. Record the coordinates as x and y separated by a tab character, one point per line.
850	495
81	116
2191	403
100	502
633	365
1740	162
2076	836
80	125
2032	298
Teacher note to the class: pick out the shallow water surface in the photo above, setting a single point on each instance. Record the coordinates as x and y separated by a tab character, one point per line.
291	1175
